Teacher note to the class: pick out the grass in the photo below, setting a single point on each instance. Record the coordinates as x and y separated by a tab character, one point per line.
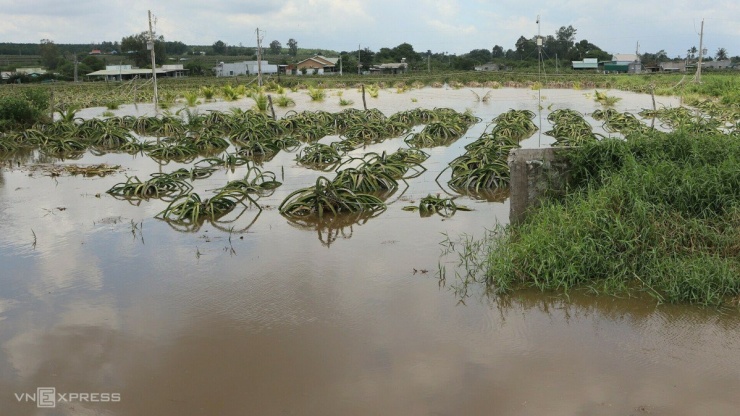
658	214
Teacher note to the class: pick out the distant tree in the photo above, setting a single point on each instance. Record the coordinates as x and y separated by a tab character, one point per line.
93	63
691	52
479	56
293	46
497	52
176	48
136	48
219	47
721	54
67	69
49	53
464	63
197	67
276	47
525	48
405	50
565	37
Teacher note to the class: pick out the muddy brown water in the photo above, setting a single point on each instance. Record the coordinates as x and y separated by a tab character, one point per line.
348	319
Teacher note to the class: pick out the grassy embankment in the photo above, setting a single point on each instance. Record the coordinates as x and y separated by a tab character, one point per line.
658	213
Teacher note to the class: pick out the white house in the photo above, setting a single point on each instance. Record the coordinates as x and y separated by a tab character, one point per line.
243	68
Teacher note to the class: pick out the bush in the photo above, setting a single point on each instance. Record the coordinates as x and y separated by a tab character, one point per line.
18	112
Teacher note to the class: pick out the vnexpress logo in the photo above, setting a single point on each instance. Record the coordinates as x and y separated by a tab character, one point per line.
47	397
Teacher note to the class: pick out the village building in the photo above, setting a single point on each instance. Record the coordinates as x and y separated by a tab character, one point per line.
317	65
233	69
127	72
390	68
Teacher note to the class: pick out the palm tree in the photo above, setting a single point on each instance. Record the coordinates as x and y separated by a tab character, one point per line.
721	54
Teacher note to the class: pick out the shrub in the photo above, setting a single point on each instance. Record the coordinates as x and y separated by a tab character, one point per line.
18	112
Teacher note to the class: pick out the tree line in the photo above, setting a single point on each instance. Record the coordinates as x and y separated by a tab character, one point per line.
562	46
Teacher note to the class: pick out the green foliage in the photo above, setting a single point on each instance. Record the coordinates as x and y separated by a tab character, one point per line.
23	111
658	214
135	47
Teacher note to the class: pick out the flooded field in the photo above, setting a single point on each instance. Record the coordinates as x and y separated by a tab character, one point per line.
266	316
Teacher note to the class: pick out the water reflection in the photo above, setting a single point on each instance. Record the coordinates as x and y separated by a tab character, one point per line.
332	227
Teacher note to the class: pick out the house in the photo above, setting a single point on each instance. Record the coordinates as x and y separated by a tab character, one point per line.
624	63
724	64
31	72
95	52
317	64
586	63
390	68
126	72
233	69
5	75
487	67
672	66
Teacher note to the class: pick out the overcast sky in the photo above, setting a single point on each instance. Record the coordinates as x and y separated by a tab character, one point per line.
452	26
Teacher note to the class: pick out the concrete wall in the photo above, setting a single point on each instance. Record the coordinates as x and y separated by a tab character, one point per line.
536	174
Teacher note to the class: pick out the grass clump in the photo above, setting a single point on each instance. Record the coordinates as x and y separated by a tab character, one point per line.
657	214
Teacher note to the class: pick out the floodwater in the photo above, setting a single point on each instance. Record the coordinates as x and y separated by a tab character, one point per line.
277	318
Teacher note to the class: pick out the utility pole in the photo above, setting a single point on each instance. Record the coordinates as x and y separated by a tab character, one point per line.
697	77
150	46
259	58
340	65
75	56
429	63
638	61
359	64
539	48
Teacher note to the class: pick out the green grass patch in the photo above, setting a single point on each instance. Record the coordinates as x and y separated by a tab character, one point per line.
656	214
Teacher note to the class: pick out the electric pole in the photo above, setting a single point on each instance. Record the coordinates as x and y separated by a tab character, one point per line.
259	58
697	77
539	48
150	46
75	56
359	64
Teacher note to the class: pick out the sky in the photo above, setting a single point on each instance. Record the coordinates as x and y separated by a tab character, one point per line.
449	26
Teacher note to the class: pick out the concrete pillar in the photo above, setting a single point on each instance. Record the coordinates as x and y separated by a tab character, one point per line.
536	174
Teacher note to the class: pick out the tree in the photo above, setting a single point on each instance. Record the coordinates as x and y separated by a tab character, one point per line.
691	52
721	54
93	63
49	53
197	67
497	52
478	56
525	48
565	38
176	47
135	47
293	46
405	50
219	47
276	47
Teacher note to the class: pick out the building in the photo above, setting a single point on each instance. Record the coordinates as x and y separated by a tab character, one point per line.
672	66
317	64
390	68
233	69
31	72
126	72
627	63
487	67
586	63
724	64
